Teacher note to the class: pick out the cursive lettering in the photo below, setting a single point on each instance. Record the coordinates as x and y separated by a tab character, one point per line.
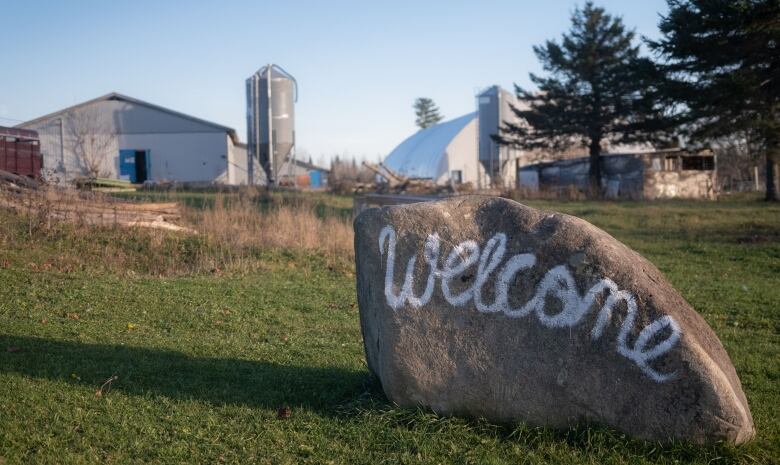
558	284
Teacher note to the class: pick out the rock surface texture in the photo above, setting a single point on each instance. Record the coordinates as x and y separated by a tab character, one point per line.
484	307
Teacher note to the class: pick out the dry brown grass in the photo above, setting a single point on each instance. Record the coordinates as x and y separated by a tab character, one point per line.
240	233
238	224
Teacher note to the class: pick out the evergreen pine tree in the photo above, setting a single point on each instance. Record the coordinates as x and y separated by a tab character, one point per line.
595	90
722	62
427	112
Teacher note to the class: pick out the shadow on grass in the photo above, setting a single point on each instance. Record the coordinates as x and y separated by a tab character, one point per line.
326	391
219	381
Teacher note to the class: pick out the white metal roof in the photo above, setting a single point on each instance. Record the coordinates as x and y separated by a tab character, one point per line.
117	96
423	154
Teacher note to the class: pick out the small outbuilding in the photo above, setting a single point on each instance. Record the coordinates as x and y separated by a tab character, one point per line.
20	152
292	172
661	174
302	174
120	137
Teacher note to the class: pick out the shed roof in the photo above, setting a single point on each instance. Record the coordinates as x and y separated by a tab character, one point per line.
310	166
566	162
18	133
421	155
124	98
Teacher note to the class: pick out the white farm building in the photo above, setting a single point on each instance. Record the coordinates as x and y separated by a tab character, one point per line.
119	137
443	152
461	150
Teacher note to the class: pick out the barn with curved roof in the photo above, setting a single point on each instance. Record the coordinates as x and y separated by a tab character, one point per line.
444	152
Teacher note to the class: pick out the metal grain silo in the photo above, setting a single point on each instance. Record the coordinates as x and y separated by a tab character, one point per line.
270	96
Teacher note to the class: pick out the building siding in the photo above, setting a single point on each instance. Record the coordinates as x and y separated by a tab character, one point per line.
627	176
180	149
183	157
461	155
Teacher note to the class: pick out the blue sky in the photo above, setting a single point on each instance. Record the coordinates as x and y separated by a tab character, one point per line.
359	64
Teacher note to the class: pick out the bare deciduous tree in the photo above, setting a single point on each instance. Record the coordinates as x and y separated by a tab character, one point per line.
92	138
345	174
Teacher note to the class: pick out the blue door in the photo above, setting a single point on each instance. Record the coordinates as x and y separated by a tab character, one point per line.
134	165
127	165
315	178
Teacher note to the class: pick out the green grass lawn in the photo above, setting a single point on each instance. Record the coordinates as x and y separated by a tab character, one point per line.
205	361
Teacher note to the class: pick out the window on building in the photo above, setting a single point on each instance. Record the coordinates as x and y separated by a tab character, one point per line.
671	163
456	176
698	163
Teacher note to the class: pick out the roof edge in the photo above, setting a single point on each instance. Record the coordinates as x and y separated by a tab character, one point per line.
117	96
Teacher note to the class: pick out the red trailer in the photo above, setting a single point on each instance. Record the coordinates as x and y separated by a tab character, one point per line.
20	152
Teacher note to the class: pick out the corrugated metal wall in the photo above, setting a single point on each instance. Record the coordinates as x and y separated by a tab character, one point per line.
180	149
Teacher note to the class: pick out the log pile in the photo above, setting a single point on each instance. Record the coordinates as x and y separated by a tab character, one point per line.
28	196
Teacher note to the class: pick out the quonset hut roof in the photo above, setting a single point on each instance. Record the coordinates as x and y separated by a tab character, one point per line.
424	154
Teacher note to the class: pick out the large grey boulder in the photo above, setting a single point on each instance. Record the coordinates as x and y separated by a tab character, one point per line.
484	307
